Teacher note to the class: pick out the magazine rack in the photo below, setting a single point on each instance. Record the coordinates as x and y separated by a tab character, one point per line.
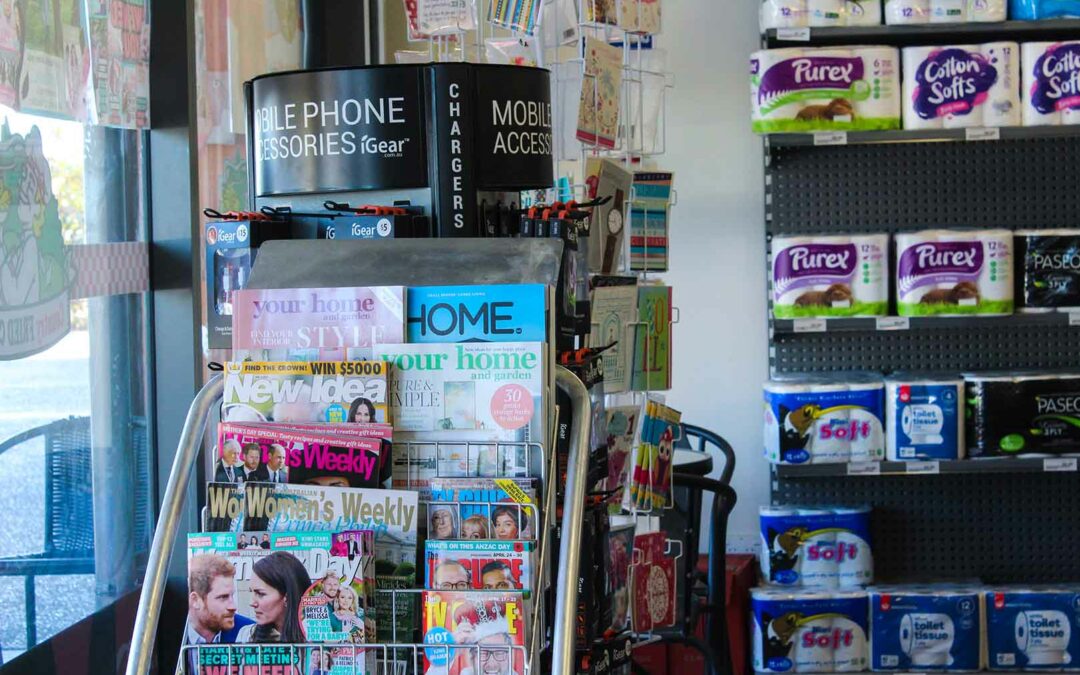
328	263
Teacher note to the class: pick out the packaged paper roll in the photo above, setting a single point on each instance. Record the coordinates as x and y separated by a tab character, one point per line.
1048	270
863	12
830	276
1022	414
1033	10
948	11
986	10
817	564
826	13
809	420
954	272
882	65
1002	106
855	557
901	12
1032	628
784	550
1051	83
831	546
924	418
851	654
803	631
783	14
950	83
913	58
925	628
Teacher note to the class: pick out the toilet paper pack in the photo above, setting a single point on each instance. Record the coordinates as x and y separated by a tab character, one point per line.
961	86
935	627
1033	628
823	88
1048	270
809	631
830	276
1032	10
827	547
815	13
823	420
924	417
954	272
904	12
1022	414
1051	83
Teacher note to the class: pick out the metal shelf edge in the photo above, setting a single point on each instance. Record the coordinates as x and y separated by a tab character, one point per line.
933	33
961	466
787	140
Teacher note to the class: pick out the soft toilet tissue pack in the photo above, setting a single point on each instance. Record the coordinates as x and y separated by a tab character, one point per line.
1051	83
1016	413
809	631
824	88
954	272
1032	10
815	13
1034	628
1048	270
935	627
827	547
906	12
835	275
924	417
956	86
820	419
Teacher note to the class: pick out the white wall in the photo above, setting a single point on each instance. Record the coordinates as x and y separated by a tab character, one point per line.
717	237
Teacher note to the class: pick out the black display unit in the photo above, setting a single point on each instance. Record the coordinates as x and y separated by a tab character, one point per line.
998	520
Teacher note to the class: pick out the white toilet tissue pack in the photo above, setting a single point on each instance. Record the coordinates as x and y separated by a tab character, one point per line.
819	13
835	275
815	89
828	547
961	86
825	419
934	627
809	631
1051	83
954	272
924	417
906	12
1033	628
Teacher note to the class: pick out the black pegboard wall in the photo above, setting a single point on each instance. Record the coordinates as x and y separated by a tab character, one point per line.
1000	528
890	187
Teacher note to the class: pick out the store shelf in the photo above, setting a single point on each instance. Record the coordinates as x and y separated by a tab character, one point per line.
964	466
893	323
979	135
928	34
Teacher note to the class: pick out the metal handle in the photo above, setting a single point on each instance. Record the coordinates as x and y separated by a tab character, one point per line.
577	470
157	567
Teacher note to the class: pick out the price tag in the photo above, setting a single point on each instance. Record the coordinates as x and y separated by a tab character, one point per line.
1074	318
793	34
864	469
1059	464
830	138
893	323
982	134
919	468
809	325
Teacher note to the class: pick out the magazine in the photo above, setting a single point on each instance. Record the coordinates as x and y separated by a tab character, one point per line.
273	455
479	565
615	315
465	409
239	659
486	313
652	340
305	391
391	514
476	632
481	508
332	324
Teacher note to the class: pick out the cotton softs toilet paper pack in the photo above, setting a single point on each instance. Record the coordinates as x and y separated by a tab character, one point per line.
836	275
1029	414
1034	628
961	86
906	12
819	13
1047	270
954	272
924	417
827	547
809	631
813	89
931	627
1050	83
822	419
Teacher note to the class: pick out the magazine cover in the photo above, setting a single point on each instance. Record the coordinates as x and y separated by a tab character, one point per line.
476	632
305	391
275	507
288	588
458	408
272	455
614	311
341	660
331	324
481	508
652	340
235	659
479	565
486	313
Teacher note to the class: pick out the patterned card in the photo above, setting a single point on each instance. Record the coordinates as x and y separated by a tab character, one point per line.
598	109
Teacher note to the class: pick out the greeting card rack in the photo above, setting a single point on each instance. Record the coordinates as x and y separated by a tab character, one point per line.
315	263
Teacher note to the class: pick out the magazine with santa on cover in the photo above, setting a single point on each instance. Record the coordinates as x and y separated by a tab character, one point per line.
327	392
474	632
472	564
481	508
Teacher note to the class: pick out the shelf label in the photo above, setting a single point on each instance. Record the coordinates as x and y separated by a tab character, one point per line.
919	468
830	138
808	325
1059	464
864	468
982	134
793	34
893	323
1074	318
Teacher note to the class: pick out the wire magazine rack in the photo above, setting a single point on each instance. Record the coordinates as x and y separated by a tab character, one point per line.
558	635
